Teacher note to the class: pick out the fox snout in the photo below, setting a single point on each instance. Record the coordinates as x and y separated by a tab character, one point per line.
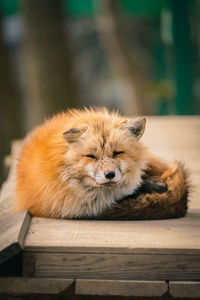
104	172
110	176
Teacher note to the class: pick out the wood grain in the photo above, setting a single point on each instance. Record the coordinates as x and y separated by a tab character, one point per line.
33	286
176	236
121	287
184	289
117	266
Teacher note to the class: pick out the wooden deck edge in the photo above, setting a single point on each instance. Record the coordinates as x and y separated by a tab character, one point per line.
37	241
24	228
121	288
12	234
17	285
182	289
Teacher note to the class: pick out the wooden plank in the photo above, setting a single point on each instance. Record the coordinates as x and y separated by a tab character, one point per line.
121	288
17	285
176	236
184	289
12	234
123	266
13	226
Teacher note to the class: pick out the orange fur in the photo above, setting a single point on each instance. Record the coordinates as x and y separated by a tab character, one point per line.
62	166
156	166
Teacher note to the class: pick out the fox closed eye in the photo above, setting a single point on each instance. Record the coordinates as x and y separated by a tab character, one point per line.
91	156
115	153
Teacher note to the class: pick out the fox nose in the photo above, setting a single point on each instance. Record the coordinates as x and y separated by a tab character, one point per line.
110	174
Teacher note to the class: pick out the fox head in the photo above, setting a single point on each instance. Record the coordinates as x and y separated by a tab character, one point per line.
104	151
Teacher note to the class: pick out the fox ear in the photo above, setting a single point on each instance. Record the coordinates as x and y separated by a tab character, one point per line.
73	134
136	126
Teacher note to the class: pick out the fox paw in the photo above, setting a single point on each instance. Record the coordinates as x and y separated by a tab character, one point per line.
153	185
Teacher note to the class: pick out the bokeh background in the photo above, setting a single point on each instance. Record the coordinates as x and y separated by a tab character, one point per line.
138	56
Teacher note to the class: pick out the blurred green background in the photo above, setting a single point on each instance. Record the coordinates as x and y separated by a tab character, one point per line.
140	57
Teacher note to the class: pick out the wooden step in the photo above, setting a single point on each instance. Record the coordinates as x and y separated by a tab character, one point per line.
143	250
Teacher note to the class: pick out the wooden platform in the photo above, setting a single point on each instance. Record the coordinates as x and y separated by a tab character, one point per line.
147	250
121	258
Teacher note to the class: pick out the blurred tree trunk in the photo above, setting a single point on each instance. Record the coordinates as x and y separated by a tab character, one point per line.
124	68
10	112
50	81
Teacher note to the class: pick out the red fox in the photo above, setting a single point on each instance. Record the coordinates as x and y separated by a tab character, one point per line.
80	162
